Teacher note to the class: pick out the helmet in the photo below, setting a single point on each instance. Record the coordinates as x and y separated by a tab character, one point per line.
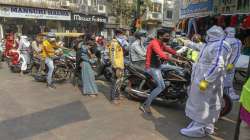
51	35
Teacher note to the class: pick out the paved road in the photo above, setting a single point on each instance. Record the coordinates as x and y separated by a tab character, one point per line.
30	111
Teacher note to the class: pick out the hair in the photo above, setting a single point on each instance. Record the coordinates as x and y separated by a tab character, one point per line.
162	31
118	31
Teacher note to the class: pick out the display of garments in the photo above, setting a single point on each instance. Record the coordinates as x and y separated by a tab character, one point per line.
192	25
221	21
246	22
234	21
205	106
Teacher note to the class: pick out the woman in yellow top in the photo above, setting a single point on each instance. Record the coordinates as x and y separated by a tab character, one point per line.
48	54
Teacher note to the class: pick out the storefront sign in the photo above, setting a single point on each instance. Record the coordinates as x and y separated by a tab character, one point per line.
193	8
89	18
34	13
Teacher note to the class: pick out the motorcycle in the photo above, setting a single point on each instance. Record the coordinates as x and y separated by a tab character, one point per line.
138	84
15	61
60	74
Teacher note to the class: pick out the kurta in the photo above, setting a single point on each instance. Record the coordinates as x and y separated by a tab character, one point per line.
88	77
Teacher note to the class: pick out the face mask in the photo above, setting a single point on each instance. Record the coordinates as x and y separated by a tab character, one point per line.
166	40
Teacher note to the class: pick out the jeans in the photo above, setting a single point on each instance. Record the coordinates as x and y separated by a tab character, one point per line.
49	62
191	23
157	76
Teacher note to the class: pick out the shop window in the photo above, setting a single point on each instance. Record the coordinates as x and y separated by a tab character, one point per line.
156	7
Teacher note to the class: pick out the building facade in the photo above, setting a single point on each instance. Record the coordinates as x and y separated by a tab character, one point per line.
34	16
170	13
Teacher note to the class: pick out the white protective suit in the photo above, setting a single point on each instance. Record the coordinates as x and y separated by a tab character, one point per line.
236	47
204	106
24	49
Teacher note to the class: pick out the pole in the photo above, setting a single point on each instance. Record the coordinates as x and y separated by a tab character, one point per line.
138	8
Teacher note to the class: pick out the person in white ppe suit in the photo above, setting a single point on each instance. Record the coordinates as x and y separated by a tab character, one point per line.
24	49
236	47
206	91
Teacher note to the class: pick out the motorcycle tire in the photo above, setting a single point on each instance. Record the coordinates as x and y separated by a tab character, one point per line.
108	74
60	74
227	105
40	78
34	70
15	69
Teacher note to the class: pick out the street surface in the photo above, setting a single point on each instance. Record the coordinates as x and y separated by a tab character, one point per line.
30	111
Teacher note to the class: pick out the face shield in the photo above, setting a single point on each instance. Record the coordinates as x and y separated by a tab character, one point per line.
230	31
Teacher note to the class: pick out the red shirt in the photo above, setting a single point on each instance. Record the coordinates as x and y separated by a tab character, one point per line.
155	50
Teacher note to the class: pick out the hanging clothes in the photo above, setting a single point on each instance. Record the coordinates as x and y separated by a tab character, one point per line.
221	21
246	22
192	25
234	21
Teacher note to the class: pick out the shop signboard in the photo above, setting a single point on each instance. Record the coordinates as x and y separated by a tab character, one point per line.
34	13
89	18
194	8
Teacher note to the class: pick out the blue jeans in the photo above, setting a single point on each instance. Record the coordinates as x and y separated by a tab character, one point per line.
157	76
49	62
192	23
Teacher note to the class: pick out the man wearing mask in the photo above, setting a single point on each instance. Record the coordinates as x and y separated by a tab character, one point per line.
206	91
137	50
156	51
236	47
116	55
48	54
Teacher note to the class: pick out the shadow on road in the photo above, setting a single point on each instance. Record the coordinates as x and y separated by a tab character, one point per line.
46	120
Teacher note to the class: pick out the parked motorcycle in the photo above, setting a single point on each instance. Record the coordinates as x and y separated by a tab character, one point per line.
60	74
138	84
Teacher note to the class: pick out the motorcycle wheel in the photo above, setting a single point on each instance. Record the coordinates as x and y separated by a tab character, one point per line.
15	69
227	105
60	74
133	83
108	74
34	70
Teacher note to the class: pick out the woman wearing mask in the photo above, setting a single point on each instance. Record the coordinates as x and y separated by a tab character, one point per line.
88	78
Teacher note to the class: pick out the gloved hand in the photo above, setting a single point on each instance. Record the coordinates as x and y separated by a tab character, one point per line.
230	67
203	85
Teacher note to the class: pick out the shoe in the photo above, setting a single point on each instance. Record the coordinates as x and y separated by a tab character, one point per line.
93	95
195	130
116	102
234	96
209	129
145	110
51	86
